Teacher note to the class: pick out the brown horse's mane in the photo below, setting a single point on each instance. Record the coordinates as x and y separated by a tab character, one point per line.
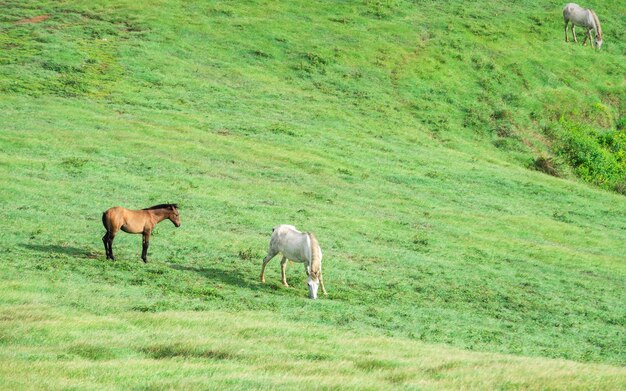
161	206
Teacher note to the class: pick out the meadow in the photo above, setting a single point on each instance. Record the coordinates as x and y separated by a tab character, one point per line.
405	134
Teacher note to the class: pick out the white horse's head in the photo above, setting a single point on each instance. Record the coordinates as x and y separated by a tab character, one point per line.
597	42
313	284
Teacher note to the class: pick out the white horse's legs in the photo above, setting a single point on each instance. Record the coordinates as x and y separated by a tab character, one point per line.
566	38
270	255
322	284
587	35
574	33
283	266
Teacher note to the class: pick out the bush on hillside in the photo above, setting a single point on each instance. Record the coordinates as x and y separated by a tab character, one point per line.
546	165
596	157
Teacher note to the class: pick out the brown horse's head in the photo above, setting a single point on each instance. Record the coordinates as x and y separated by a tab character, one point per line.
174	216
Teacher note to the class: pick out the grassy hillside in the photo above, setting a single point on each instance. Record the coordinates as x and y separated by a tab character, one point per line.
404	134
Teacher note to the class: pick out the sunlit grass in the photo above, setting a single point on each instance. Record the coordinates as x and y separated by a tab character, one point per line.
72	349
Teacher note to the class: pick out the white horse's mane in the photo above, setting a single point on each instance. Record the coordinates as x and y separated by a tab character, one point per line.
597	22
315	255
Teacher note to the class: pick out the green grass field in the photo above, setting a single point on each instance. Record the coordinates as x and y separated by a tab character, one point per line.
403	133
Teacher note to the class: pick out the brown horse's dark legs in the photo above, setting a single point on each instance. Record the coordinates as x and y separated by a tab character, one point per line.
105	240
111	237
144	253
146	243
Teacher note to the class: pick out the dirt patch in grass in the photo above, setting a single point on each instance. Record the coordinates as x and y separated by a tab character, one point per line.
34	19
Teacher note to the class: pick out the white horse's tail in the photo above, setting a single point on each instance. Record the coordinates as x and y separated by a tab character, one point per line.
316	259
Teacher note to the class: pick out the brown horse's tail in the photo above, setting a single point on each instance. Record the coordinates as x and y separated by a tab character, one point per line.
104	221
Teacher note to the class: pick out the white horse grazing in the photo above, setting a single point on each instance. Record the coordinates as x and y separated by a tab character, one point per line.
298	247
582	17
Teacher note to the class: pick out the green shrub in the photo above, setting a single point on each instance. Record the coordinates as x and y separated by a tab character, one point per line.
597	157
546	165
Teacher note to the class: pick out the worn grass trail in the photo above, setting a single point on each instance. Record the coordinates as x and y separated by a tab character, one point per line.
400	135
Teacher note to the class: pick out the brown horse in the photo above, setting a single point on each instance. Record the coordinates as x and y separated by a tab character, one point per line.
136	222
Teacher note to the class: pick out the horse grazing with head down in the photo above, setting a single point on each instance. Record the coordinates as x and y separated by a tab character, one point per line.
582	17
298	247
136	222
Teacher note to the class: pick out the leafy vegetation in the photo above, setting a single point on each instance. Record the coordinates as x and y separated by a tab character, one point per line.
597	157
399	132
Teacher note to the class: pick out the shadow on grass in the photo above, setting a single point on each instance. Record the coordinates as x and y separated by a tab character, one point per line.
64	250
236	278
229	277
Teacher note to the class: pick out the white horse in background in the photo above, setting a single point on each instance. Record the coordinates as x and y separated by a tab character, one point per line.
582	17
299	247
